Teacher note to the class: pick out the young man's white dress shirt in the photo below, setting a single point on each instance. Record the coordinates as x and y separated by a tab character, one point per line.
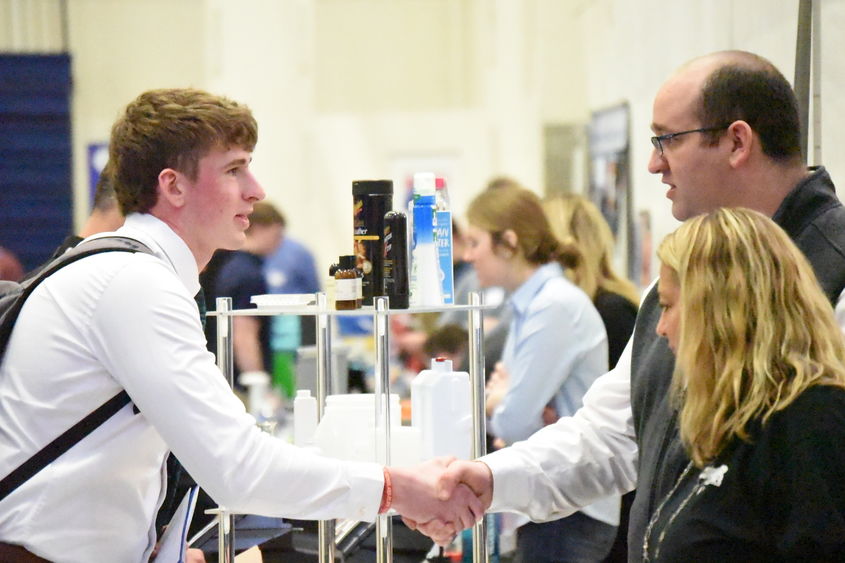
116	321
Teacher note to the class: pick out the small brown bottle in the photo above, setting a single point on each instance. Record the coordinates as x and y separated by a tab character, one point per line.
347	285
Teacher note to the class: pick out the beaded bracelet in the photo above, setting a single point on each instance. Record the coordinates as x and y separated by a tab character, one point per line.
387	495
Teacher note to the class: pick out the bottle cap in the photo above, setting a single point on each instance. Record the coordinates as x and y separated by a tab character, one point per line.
365	187
333	268
347	262
441	364
424	183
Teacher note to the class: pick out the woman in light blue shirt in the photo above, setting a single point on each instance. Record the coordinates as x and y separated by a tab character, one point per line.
556	348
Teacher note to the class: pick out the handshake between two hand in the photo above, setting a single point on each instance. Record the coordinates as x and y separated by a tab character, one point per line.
442	496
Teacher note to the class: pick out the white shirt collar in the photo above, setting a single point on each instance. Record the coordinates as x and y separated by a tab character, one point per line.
169	246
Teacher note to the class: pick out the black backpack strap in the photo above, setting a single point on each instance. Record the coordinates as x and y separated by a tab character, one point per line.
81	429
83	249
63	443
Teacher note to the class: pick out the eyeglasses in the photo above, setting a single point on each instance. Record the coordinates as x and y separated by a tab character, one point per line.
658	140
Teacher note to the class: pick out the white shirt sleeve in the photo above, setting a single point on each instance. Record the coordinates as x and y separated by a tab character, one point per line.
575	461
153	345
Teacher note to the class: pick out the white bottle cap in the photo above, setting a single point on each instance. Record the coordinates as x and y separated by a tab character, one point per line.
424	183
441	364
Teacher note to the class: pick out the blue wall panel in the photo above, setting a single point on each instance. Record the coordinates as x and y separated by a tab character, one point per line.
36	204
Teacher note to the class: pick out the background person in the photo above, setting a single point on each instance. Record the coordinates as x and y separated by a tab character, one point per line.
240	277
11	268
576	220
555	348
105	213
761	395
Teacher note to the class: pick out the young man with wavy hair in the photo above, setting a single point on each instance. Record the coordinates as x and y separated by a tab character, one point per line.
121	321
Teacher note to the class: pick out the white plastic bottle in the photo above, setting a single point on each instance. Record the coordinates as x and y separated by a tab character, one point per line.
441	409
304	418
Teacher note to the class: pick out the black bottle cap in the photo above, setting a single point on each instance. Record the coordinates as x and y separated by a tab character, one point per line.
364	187
347	262
333	268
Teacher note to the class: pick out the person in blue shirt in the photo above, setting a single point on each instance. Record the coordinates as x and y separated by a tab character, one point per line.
240	277
290	268
556	347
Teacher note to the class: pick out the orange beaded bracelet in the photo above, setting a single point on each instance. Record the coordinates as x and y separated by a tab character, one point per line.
387	494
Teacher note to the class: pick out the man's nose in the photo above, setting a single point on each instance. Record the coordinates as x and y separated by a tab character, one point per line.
254	191
656	162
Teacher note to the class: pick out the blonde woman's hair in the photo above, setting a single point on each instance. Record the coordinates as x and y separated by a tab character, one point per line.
576	220
756	330
509	207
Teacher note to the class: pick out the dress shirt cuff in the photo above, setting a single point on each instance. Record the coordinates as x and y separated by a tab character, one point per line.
511	488
366	489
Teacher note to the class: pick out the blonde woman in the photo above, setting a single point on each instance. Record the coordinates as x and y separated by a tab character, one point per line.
760	387
575	220
555	348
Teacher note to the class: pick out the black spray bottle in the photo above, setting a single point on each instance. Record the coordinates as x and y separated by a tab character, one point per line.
395	272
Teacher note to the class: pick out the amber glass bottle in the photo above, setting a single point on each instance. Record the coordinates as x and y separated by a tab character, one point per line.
347	284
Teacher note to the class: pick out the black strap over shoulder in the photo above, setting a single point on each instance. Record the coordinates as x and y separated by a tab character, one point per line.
26	287
93	420
52	451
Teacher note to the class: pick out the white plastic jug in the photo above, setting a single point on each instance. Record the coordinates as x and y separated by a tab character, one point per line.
442	410
348	430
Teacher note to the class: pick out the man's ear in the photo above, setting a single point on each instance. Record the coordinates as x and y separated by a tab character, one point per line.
171	187
742	142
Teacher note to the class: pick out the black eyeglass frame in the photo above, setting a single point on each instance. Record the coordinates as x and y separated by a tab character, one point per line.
657	140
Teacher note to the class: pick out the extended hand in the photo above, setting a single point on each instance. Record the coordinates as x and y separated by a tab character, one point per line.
418	497
453	481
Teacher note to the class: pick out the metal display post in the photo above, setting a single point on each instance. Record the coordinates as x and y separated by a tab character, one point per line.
226	520
325	528
384	531
479	420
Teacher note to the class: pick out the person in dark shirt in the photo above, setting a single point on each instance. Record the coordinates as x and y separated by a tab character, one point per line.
105	217
575	219
240	277
760	394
